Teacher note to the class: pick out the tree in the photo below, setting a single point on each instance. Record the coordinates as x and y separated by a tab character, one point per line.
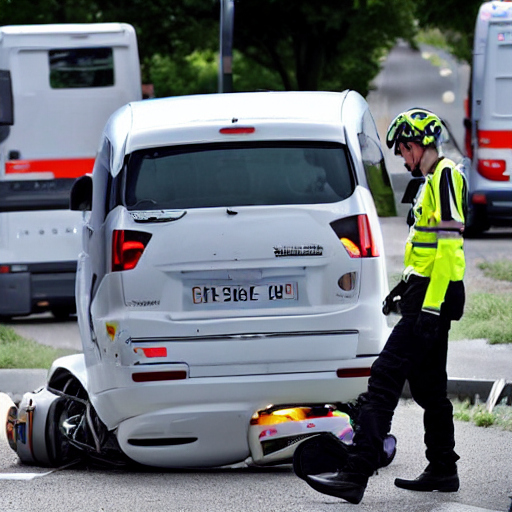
455	18
333	44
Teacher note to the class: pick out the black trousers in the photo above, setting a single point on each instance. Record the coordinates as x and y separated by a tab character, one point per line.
422	362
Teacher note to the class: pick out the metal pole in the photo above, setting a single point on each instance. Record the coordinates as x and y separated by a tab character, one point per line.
227	14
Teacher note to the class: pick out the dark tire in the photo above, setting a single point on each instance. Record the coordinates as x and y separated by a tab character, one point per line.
476	223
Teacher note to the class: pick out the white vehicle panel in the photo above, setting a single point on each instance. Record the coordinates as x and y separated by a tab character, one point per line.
224	270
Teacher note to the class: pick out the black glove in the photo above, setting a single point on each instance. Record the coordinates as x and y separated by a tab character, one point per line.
391	302
427	326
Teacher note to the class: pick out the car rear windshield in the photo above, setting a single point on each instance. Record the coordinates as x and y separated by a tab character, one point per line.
211	175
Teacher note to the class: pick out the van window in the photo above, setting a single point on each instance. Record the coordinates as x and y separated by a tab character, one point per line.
375	168
503	96
81	67
211	175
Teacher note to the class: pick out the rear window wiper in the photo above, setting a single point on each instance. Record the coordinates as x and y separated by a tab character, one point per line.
157	215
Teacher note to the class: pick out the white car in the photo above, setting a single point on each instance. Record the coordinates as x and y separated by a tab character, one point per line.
232	261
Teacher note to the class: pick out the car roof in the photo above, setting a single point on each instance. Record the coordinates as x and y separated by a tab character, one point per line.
197	119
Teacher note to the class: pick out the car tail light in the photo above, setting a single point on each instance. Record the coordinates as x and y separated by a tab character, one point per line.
478	198
493	170
356	236
127	248
151	351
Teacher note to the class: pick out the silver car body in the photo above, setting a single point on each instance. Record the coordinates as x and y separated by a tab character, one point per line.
229	307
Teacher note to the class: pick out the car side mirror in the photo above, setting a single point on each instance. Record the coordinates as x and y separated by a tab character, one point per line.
411	191
409	197
81	194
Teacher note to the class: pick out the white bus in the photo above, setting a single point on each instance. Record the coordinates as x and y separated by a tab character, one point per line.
489	136
58	86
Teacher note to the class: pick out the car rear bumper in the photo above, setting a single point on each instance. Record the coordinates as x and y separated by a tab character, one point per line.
204	422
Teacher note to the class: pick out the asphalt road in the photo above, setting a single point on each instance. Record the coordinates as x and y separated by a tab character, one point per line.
484	470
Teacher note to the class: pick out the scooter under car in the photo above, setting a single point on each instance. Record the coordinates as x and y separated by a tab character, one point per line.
229	286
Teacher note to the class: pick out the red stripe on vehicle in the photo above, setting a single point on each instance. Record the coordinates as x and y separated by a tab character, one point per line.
60	168
495	139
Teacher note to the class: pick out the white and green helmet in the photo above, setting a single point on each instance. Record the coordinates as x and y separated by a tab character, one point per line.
415	125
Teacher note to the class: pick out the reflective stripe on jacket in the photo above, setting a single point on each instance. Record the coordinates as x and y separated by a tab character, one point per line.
434	246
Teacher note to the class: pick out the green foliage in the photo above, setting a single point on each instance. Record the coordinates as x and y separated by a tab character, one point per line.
501	270
483	419
330	45
194	74
501	415
433	37
455	19
18	352
197	73
249	75
486	316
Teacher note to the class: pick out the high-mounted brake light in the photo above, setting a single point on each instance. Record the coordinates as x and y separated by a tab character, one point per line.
493	170
127	248
356	236
237	130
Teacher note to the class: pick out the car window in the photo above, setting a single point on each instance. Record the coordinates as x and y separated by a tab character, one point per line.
211	175
375	168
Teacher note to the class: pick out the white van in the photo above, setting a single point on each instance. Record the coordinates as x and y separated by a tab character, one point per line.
59	85
490	175
233	261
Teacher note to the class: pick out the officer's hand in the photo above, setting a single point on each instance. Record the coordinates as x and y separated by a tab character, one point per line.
391	302
427	326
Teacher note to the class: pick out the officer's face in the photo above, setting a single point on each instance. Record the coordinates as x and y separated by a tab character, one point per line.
411	153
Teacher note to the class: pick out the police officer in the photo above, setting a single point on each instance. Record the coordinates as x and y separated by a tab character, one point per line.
430	295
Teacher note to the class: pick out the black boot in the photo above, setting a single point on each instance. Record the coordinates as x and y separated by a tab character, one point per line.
432	480
344	484
323	453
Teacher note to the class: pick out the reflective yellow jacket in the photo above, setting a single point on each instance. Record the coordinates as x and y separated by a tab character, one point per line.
434	246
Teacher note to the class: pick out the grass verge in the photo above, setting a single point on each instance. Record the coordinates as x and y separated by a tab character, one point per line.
18	352
501	270
501	416
488	315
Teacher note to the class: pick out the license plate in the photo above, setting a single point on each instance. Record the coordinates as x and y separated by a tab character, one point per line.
245	293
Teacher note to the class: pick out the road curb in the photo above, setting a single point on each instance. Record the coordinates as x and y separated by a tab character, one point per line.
473	390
